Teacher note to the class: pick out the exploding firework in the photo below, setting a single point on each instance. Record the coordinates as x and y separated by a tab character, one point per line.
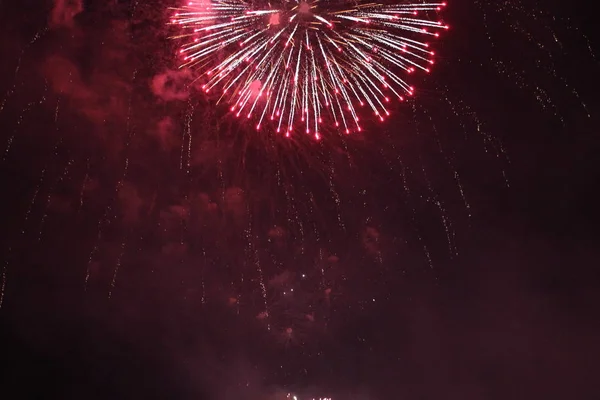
306	65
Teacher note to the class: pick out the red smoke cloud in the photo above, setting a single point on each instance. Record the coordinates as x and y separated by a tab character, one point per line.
64	11
172	85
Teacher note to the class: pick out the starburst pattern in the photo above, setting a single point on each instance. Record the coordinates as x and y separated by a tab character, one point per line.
308	64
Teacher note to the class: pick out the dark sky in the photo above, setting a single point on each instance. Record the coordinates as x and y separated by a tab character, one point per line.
451	252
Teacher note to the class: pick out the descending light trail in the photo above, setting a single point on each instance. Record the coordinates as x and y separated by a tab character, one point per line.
307	64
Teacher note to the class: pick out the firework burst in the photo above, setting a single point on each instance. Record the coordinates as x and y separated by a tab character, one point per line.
306	65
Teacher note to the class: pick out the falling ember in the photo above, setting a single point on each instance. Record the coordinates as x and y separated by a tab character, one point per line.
306	64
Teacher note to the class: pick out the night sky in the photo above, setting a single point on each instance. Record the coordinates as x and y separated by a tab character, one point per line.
153	246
